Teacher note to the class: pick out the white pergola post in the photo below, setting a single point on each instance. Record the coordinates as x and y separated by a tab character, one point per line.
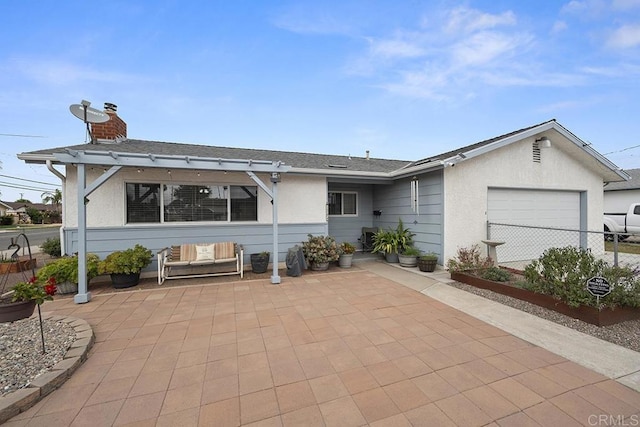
275	177
83	295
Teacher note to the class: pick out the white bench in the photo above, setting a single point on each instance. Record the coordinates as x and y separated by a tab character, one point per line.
191	259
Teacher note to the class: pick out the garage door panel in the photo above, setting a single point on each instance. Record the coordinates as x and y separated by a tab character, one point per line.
539	208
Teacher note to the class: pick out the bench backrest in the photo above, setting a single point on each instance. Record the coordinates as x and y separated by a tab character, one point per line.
220	251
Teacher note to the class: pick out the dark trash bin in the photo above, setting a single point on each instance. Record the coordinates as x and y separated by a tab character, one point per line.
295	261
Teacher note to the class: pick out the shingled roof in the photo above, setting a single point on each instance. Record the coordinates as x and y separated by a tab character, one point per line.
294	159
448	154
632	184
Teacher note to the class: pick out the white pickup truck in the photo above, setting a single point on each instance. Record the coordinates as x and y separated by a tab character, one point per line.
623	222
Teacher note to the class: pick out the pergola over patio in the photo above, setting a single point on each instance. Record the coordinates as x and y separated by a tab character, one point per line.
114	161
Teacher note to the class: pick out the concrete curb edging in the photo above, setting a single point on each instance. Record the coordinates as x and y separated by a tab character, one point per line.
20	400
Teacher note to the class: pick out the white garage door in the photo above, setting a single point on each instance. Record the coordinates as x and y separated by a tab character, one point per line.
541	208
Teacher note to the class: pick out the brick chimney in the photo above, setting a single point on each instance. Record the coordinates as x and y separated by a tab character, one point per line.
109	131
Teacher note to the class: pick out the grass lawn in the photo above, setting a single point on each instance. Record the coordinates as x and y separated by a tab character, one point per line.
628	248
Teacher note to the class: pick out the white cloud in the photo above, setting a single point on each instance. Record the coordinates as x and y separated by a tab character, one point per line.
625	37
396	49
486	47
467	20
625	4
559	27
587	9
60	73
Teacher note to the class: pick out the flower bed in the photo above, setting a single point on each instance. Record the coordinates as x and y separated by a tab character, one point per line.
603	317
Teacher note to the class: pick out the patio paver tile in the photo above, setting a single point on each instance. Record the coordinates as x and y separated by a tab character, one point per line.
341	412
225	413
327	388
259	405
295	396
308	417
375	404
140	408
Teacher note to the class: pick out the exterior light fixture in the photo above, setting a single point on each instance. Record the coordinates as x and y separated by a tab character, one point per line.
544	142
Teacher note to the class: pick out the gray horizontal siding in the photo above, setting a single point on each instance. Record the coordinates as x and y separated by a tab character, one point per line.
254	238
349	228
395	203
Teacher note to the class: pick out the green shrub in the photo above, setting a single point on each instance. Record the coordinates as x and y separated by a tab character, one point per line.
65	269
496	274
563	273
52	247
128	261
469	259
6	220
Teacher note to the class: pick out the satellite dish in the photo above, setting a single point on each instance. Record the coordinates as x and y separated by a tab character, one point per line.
92	115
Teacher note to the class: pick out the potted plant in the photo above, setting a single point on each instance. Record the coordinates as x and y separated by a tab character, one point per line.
65	272
428	262
346	250
260	261
20	301
125	266
15	263
320	251
390	242
409	256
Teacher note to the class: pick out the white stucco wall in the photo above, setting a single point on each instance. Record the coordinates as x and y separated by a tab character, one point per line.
300	199
620	200
466	186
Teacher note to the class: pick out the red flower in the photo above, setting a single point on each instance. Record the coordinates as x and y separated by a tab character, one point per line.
32	280
51	288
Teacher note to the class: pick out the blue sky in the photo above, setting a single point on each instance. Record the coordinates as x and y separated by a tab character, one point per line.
404	79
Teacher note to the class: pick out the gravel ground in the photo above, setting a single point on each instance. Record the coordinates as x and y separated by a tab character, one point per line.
625	334
21	357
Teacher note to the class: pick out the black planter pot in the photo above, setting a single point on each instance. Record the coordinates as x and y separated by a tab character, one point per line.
123	280
427	265
259	262
16	310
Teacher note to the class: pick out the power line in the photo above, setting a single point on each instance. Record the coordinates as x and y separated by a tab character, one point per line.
23	187
30	180
624	149
21	136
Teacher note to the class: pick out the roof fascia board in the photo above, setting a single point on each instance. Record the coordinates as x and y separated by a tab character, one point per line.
464	155
36	158
427	167
593	153
342	173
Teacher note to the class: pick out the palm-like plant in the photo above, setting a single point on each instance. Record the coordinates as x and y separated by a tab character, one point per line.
54	198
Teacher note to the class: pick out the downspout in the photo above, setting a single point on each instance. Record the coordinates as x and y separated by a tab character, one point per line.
63	178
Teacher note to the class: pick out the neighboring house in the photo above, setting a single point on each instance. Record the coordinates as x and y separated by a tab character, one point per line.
4	208
618	196
19	211
160	193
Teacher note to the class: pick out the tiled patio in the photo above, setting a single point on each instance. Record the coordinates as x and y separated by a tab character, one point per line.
346	348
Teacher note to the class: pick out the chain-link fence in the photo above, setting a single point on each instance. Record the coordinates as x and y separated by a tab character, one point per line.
523	244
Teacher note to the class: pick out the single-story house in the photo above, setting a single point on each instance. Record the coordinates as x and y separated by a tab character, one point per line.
161	193
18	210
618	196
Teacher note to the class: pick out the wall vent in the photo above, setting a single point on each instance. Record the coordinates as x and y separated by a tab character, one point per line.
536	152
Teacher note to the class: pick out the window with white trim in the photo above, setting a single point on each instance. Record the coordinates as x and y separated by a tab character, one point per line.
343	203
165	203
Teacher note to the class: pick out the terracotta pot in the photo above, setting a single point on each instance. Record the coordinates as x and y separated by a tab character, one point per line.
16	310
17	267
